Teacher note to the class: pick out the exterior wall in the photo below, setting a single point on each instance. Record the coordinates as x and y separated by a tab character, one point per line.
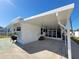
77	33
29	33
10	30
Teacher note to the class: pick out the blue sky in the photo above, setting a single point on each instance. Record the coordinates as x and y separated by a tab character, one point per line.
10	9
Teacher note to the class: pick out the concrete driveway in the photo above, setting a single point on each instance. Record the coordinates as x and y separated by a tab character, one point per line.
75	50
12	51
46	49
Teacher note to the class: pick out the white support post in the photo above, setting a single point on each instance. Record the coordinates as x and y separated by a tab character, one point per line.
68	35
69	40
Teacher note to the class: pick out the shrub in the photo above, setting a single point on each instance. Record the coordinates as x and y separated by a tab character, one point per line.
15	33
76	39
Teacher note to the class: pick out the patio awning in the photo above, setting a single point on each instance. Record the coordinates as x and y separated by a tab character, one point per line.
50	18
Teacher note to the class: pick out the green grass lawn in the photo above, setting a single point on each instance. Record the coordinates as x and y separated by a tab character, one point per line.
76	39
4	36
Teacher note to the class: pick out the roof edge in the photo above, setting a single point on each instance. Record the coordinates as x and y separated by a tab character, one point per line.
69	6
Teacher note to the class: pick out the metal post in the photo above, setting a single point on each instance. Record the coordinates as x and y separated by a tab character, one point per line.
69	40
68	36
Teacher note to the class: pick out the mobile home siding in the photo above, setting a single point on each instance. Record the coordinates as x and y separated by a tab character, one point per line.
29	33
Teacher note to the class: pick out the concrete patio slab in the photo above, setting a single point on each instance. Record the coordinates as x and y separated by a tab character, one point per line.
47	49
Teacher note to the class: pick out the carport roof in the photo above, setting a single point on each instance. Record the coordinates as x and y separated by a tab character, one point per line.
70	6
50	18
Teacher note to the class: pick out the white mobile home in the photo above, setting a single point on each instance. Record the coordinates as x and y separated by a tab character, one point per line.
53	24
52	21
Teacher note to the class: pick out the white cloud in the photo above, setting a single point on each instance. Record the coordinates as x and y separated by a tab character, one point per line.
10	2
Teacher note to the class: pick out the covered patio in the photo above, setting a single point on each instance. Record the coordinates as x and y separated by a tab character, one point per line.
52	23
47	49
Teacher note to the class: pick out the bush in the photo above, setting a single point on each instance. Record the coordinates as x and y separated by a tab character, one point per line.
10	34
76	39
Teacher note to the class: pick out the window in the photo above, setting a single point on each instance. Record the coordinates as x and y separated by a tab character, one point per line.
41	31
54	33
18	28
59	33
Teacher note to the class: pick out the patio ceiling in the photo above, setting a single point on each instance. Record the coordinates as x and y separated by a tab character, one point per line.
50	18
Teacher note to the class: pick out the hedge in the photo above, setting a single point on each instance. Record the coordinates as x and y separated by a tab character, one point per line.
76	39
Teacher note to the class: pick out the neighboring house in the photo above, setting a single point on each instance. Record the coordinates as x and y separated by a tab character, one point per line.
51	24
76	33
2	31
